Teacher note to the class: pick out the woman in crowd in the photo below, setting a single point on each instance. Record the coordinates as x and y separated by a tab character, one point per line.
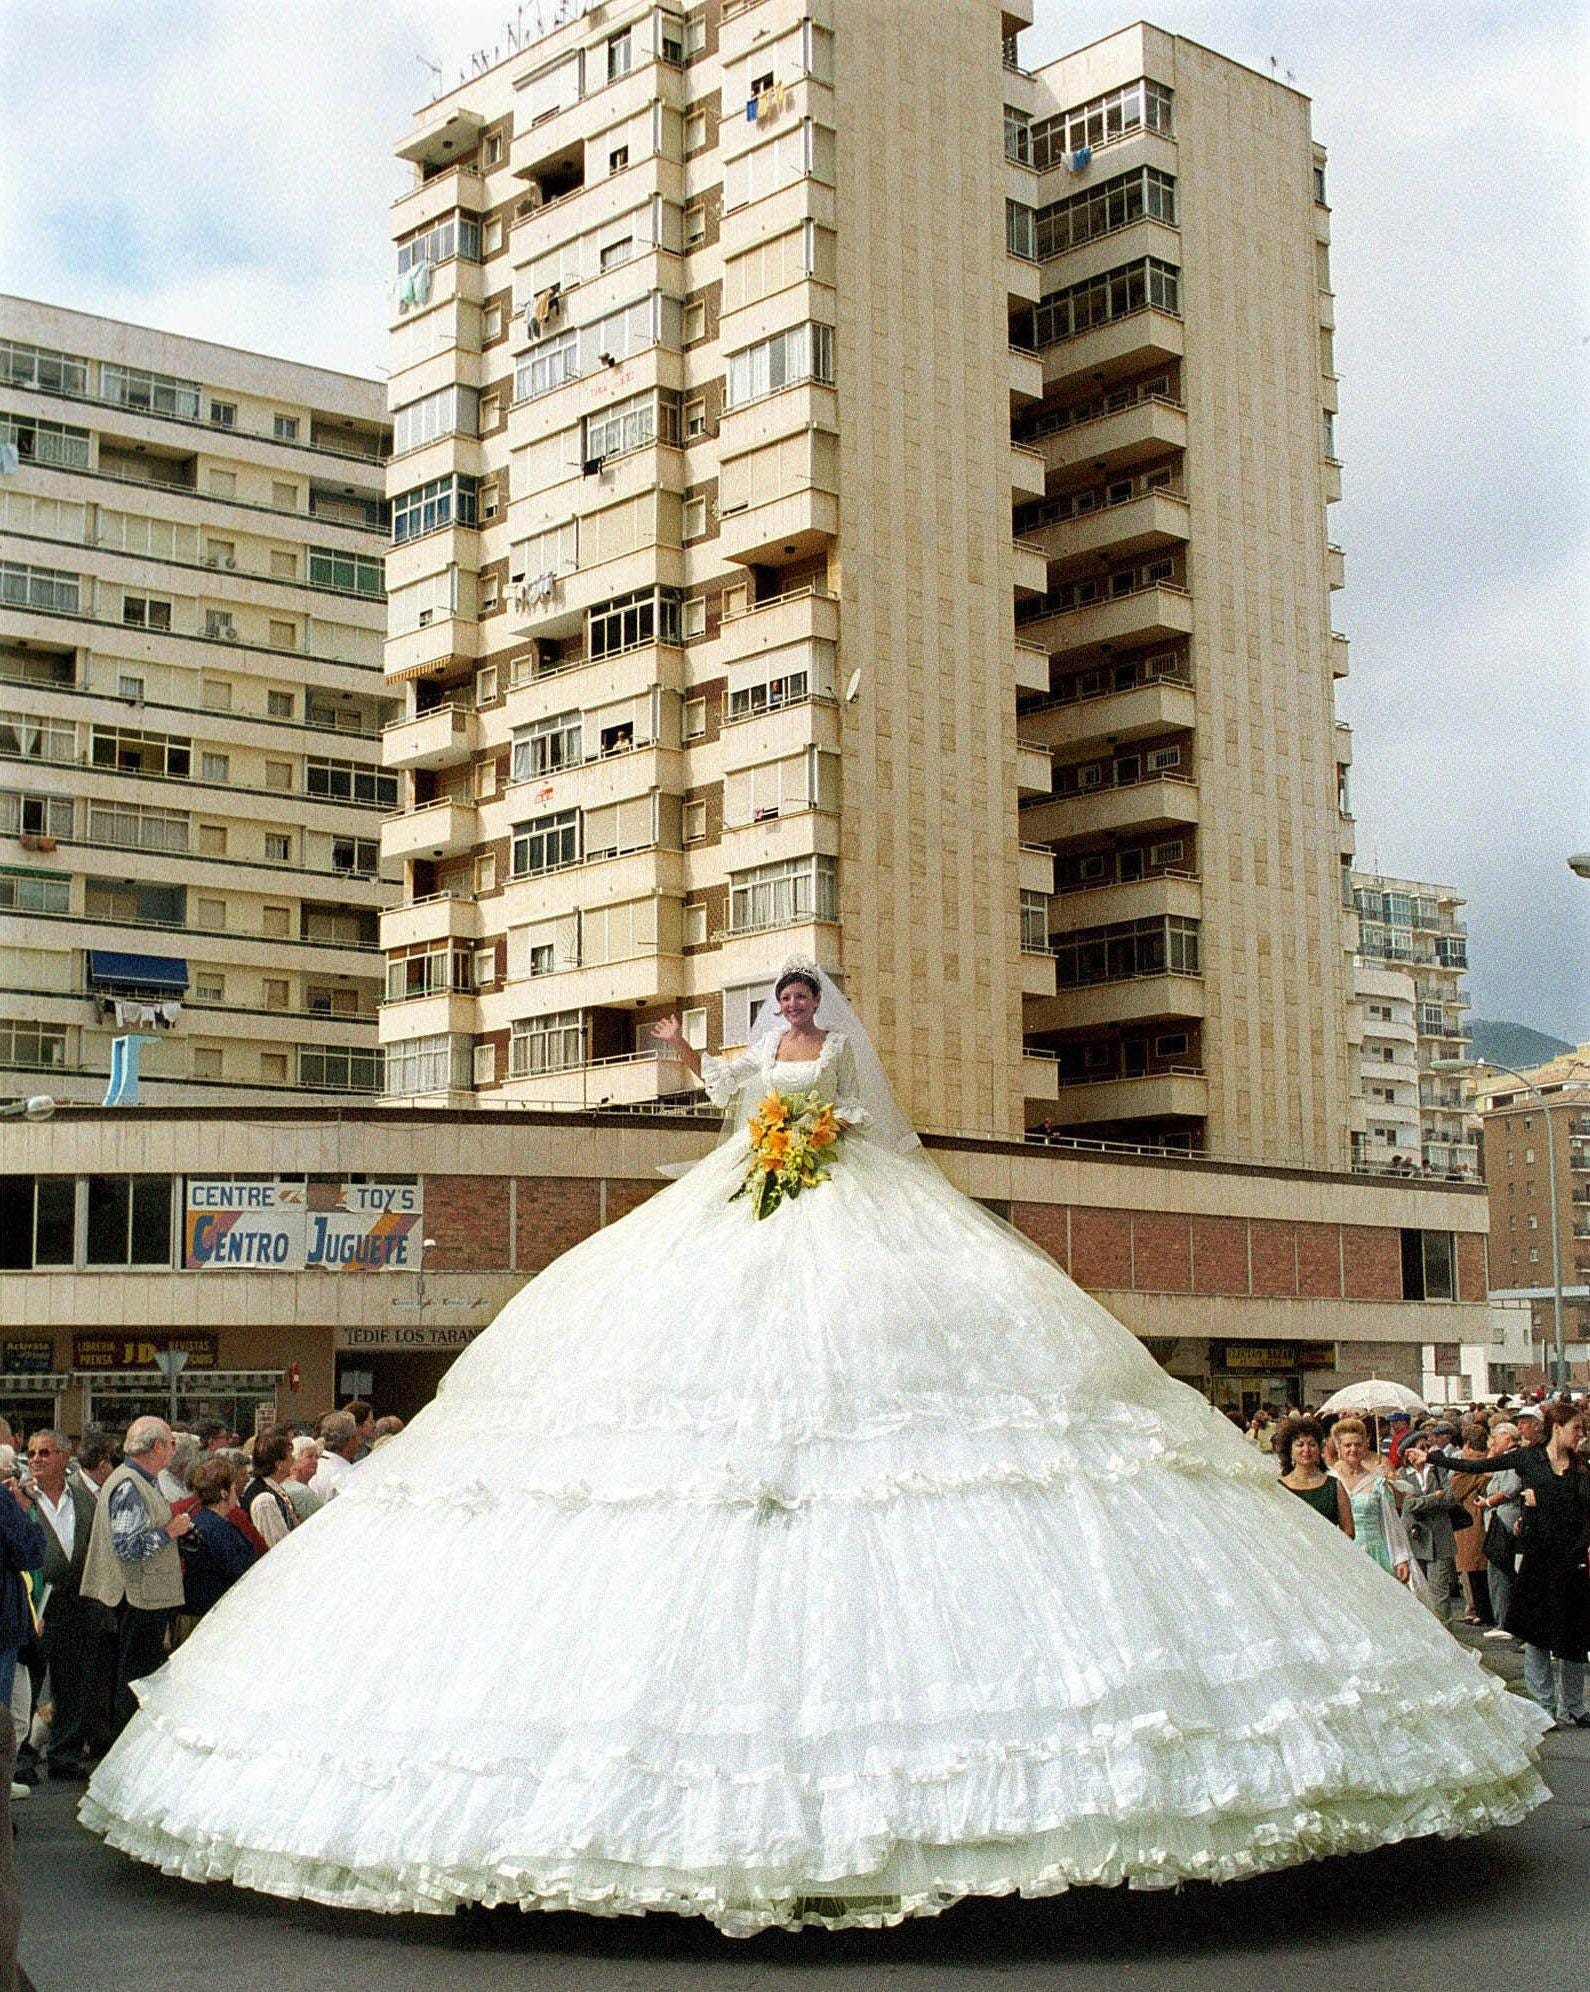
300	1471
1298	1448
265	1498
1466	1490
214	1553
1501	1517
1377	1527
1550	1605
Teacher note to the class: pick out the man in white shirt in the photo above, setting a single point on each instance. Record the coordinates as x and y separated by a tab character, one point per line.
339	1441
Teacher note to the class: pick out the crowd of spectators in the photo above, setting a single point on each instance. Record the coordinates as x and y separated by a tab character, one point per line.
1484	1514
112	1551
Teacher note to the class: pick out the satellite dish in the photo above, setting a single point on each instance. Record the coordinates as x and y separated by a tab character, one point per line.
853	689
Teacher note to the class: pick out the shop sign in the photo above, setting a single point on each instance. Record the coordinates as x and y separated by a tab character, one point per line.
136	1352
302	1227
402	1338
1448	1359
29	1358
1275	1358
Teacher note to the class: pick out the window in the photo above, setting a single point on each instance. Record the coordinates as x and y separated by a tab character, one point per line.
630	425
695	518
283	635
278	848
695	926
1035	922
483	968
616	252
695	822
142	612
350	573
219	626
210	915
1101	121
486	685
212	840
223	414
221	483
695	417
37	1220
284	497
451	411
547	747
554	1043
491	245
277	992
34	892
207	1061
550	553
1018	136
695	323
618	159
339	1068
444	501
1067	224
1168	945
486	872
1020	232
280	705
276	922
1429	1265
1066	314
546	843
458	235
46	442
159	394
804	352
136	827
284	566
34	1047
1319	183
129	1221
620	54
273	1067
651	615
37	739
350	781
695	133
41	367
693	615
695	719
285	428
552	363
208	986
279	775
215	694
769	696
695	223
439	1064
484	1069
778	895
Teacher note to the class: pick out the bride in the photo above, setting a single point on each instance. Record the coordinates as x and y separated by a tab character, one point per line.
822	1566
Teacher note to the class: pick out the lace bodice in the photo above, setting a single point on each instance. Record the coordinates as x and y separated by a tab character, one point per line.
831	1074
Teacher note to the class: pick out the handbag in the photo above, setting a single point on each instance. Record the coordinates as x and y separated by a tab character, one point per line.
1460	1516
1500	1547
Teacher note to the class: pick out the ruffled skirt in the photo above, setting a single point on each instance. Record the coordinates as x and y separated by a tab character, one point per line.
825	1569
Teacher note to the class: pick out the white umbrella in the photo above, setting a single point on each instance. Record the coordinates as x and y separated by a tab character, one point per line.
1375	1394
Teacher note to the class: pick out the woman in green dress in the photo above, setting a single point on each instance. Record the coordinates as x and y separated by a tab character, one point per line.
1299	1447
1377	1527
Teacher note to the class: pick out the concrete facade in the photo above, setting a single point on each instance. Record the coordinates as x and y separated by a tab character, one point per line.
190	648
1250	1283
1518	1175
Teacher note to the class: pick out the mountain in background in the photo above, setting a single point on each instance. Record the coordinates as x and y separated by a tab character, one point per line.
1512	1044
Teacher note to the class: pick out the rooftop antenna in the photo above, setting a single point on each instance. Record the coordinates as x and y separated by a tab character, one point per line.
436	72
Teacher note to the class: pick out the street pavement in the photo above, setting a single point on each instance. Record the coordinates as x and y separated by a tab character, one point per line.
1422	1915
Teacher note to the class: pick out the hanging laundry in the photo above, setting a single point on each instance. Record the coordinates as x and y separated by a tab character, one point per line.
170	1012
752	114
10	459
1080	160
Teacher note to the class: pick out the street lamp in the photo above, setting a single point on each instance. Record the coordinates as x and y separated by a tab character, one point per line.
37	1107
1560	1351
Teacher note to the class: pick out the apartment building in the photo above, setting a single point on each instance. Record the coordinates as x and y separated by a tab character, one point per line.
192	611
1538	1143
1412	958
726	467
1183	395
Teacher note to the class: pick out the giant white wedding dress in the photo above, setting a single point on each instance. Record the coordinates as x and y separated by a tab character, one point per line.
826	1569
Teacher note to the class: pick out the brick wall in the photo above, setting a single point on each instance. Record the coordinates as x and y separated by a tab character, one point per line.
555	1212
468	1218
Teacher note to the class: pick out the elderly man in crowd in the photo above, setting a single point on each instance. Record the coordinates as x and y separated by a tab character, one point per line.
97	1456
134	1566
339	1445
1427	1509
363	1416
71	1637
297	1484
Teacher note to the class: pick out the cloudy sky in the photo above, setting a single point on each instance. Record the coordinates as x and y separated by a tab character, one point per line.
222	168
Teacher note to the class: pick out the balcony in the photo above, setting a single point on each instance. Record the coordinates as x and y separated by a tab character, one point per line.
1023	282
1339	653
420	653
442	133
634	1080
1032	668
803	615
1031	568
1147	615
1125	899
1333	481
1145	524
440	916
446	737
1128	345
444	829
1040	1077
1161	803
1181	1094
1335	567
1037	972
447	1010
1163	706
437	197
1034	772
795	527
1025	375
1027	474
1144	999
1120	439
559	610
638	979
1035	868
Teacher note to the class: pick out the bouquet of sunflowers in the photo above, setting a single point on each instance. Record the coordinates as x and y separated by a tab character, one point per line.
793	1138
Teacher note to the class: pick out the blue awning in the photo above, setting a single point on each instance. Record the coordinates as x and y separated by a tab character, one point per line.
136	972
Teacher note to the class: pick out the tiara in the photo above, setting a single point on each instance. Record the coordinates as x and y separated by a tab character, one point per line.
799	964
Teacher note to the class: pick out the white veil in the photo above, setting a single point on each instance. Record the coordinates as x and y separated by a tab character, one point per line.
885	1123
